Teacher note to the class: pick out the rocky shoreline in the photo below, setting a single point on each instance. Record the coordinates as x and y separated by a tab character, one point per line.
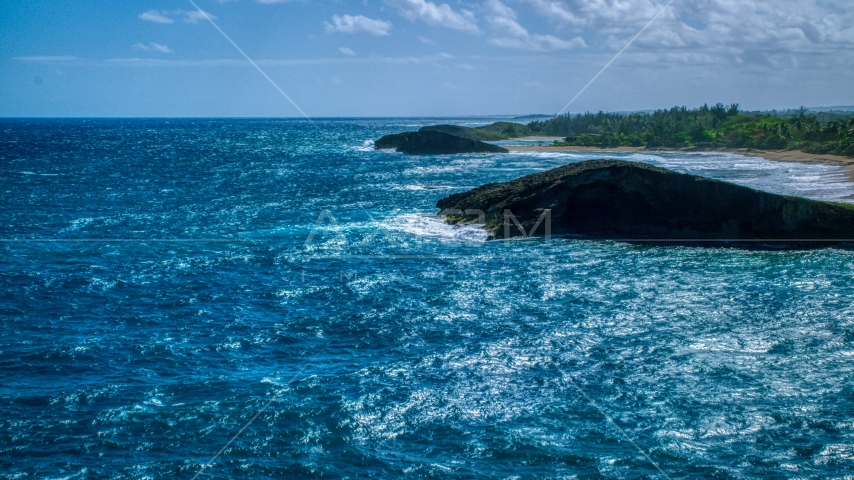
610	199
432	141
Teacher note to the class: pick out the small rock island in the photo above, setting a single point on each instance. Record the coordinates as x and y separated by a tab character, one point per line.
611	199
440	140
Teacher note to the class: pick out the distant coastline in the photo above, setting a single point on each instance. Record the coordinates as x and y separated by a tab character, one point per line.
705	128
776	155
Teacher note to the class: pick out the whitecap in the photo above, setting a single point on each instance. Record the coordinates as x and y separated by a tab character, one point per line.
367	146
434	226
79	223
426	187
80	474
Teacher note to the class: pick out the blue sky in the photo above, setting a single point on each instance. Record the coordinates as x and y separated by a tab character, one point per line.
418	57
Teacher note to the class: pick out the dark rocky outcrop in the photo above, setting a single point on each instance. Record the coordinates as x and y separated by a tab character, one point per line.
609	199
392	141
434	143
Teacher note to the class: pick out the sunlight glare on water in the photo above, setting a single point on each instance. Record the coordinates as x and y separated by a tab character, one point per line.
417	348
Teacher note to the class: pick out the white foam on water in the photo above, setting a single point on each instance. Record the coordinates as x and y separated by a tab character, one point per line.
80	474
818	181
442	169
541	154
434	226
78	224
367	146
426	187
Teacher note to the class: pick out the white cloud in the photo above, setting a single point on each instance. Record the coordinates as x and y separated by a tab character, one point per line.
358	24
556	10
508	33
612	15
755	32
165	16
152	47
347	51
436	15
155	16
195	16
160	48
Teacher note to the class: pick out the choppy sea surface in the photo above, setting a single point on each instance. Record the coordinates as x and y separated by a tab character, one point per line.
164	281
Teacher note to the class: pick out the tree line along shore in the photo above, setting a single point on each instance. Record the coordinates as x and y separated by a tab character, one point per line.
703	128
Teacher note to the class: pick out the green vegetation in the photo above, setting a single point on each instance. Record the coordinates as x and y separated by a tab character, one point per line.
510	129
704	128
467	132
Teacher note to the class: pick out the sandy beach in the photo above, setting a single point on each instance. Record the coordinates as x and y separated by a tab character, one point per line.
777	155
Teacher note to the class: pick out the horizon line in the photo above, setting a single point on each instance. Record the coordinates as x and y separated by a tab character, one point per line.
298	117
817	109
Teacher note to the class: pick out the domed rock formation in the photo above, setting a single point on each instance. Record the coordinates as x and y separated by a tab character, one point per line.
610	199
431	142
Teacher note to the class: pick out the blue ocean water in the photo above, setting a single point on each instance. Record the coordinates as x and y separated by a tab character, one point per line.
163	281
